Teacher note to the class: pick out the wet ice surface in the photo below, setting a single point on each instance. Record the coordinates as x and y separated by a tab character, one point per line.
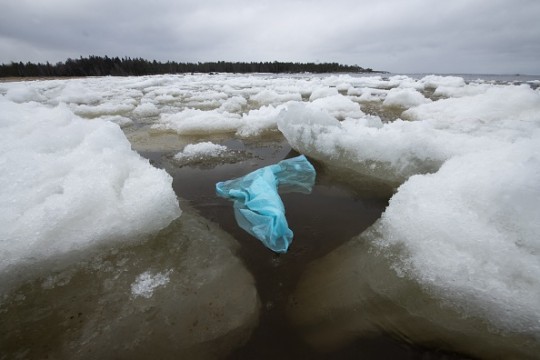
451	265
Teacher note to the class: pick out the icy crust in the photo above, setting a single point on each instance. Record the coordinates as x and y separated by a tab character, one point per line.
69	184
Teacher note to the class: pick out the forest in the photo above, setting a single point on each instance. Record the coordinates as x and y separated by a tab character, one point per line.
108	66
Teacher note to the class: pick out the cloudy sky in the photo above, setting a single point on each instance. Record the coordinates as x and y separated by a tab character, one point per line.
404	36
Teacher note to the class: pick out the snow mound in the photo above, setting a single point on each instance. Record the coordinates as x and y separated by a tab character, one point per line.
68	184
469	233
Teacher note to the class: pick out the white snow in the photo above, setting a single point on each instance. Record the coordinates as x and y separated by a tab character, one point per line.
146	109
323	92
434	81
441	130
69	184
195	121
405	97
233	104
499	108
145	284
201	150
107	108
21	93
469	233
267	97
391	152
338	106
257	121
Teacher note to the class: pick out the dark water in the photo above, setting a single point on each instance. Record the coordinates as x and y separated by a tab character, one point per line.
321	221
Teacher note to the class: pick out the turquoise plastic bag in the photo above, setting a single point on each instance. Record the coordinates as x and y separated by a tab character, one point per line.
258	209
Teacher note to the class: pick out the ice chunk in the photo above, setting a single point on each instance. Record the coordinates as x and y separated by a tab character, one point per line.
405	97
461	91
77	91
257	206
200	150
233	104
68	184
146	109
396	150
23	92
338	106
323	92
268	97
109	108
368	94
195	121
454	260
469	234
258	121
496	111
434	81
361	145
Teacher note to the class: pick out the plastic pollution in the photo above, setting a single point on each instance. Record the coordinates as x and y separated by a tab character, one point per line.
258	209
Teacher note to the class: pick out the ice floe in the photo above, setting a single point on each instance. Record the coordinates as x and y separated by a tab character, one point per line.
69	184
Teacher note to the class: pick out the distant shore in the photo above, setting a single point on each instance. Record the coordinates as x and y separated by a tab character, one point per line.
106	66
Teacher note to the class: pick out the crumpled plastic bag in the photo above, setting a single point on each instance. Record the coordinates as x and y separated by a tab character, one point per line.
258	209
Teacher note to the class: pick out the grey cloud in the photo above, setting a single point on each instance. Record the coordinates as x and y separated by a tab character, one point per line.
412	36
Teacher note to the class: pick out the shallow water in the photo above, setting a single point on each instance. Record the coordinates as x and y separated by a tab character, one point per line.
331	215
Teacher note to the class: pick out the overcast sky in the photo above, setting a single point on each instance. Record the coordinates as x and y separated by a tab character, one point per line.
403	36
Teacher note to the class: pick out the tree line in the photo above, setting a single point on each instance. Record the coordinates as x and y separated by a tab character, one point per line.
103	66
